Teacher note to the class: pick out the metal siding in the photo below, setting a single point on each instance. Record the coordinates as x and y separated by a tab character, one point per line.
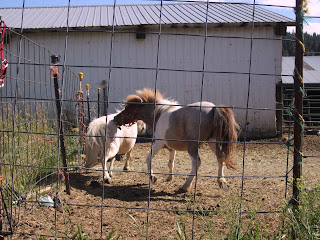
310	76
88	19
104	16
183	52
127	17
118	17
148	13
173	14
223	13
98	16
80	20
199	11
132	13
110	17
189	12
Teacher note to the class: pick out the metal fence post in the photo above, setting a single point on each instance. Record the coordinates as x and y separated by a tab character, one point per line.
298	86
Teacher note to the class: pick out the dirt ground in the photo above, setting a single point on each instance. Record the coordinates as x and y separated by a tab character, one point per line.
133	211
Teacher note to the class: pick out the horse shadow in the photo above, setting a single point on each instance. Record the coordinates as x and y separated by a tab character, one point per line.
128	193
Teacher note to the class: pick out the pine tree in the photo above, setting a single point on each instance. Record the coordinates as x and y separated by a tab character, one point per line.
311	42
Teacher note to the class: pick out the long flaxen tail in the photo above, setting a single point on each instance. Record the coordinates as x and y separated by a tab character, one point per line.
226	133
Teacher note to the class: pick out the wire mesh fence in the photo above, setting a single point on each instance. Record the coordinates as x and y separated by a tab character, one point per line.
47	107
29	127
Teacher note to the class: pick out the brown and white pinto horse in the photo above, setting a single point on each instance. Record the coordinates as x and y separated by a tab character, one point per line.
177	129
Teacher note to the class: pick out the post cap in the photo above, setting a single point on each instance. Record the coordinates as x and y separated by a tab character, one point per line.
80	75
88	86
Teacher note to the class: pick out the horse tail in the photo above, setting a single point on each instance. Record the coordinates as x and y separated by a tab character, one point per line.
226	133
95	141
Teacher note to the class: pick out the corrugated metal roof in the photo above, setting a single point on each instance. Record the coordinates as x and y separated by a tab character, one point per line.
311	69
143	14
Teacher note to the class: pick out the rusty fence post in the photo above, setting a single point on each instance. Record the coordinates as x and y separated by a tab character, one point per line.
105	101
99	90
82	125
60	125
88	101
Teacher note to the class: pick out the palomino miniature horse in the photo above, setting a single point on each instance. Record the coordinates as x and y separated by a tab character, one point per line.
177	129
118	141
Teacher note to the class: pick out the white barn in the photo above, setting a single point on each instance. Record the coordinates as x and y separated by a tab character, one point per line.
129	50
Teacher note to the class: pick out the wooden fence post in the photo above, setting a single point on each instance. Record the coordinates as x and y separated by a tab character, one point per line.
298	86
61	131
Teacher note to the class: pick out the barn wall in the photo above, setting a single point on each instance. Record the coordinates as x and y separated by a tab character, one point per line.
181	60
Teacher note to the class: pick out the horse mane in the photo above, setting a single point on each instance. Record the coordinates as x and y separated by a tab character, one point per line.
145	95
148	95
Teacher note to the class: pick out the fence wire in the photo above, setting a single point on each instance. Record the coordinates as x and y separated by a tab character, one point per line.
31	162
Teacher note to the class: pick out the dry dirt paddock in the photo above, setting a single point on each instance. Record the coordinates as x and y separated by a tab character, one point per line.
126	201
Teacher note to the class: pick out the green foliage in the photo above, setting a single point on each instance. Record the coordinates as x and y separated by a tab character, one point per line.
244	228
29	146
79	234
311	42
295	223
181	229
303	221
140	226
111	235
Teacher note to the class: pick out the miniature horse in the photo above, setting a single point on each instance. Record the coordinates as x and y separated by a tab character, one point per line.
118	141
177	129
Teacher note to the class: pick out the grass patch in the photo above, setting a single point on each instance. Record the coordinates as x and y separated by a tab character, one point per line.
30	147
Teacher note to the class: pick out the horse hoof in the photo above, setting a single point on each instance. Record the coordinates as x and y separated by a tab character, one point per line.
108	181
223	185
125	168
181	190
169	178
153	179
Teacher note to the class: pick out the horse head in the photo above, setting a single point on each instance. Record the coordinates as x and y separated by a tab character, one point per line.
139	106
130	114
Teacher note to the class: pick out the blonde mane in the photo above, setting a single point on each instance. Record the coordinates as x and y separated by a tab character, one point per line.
146	95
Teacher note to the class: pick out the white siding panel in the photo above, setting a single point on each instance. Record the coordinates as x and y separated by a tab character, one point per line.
226	60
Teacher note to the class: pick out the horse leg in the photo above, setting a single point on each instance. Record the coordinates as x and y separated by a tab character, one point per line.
127	163
221	180
110	154
196	162
107	178
171	163
157	145
111	165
